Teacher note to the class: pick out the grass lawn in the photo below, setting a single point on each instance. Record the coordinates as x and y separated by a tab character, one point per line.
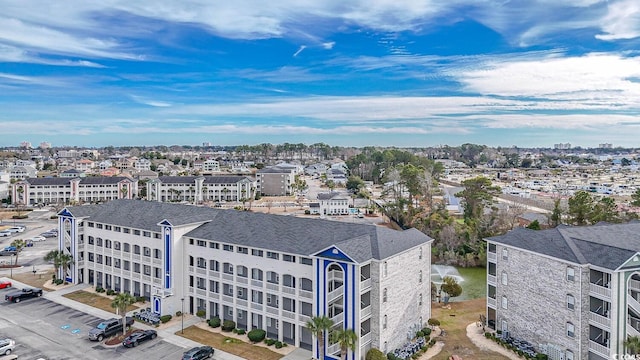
474	285
95	300
454	321
230	345
28	278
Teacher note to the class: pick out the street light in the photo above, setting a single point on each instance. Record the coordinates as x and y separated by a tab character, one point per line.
182	317
11	266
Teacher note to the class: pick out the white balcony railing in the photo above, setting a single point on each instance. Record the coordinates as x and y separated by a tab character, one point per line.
335	294
631	331
600	290
365	312
633	303
491	279
333	349
634	284
306	294
365	339
492	303
599	349
365	284
492	257
600	320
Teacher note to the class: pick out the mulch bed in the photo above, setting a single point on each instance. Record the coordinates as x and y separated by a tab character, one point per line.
117	340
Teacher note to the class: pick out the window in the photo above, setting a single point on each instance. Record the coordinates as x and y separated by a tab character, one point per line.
306	284
116	245
117	228
571	274
420	277
136	268
289	258
136	232
136	249
256	296
491	248
384	322
242	293
420	300
126	230
157	272
571	331
242	271
306	261
569	355
571	302
116	263
147	270
90	257
255	252
127	248
146	234
90	224
157	254
201	243
147	251
98	226
384	295
227	289
214	286
504	302
227	247
107	243
273	255
384	269
256	274
272	277
420	255
98	241
288	304
99	259
214	265
289	281
201	283
272	300
227	268
214	245
505	254
91	240
127	265
504	278
243	250
201	263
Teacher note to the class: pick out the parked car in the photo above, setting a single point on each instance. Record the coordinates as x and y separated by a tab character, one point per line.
49	234
108	328
139	336
7	346
4	284
8	252
28	243
4	233
23	294
198	353
17	229
38	238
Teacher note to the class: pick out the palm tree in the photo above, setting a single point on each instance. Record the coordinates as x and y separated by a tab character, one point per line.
121	302
19	244
65	261
632	344
60	260
318	325
347	338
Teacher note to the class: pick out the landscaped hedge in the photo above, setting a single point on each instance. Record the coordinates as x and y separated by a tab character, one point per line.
228	325
214	322
499	340
256	335
201	313
375	354
165	318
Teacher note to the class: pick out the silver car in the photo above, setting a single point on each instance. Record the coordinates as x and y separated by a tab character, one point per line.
7	346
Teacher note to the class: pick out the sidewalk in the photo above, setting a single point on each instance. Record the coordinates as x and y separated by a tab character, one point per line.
167	334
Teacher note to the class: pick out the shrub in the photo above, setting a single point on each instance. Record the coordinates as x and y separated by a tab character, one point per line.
58	281
228	325
375	354
201	313
110	292
214	322
240	331
165	318
256	335
178	313
419	333
270	342
307	212
278	345
433	322
99	289
391	356
141	299
426	331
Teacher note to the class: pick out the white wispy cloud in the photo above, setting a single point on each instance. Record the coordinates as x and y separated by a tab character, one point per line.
145	101
622	21
328	45
300	49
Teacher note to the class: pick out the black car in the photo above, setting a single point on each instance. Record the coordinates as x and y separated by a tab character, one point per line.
139	336
25	293
197	353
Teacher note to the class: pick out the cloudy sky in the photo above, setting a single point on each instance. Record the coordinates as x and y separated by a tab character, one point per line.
355	72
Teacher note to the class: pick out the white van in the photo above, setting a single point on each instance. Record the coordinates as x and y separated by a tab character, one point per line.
17	229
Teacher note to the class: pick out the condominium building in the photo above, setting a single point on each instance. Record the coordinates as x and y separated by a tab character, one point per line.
260	270
572	291
200	188
275	181
79	189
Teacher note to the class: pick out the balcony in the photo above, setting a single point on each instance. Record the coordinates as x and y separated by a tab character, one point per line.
289	290
273	287
288	314
214	274
365	312
365	339
306	294
256	283
335	294
599	349
491	279
242	280
255	306
365	285
227	277
201	292
201	271
304	318
492	257
157	261
333	349
632	326
191	269
634	285
241	302
492	303
338	319
633	304
600	290
600	320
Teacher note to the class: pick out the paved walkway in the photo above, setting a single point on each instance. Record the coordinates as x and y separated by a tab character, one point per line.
476	335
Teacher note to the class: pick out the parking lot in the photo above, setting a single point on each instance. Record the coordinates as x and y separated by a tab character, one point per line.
44	329
38	222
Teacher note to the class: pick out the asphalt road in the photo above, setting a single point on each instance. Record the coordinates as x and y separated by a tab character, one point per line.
44	329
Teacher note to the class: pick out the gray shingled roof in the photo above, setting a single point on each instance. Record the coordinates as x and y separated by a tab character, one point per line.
274	170
289	234
207	179
604	245
54	181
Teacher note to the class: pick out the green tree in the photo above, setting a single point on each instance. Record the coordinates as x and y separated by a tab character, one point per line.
354	183
632	345
375	354
19	244
347	338
60	260
580	208
555	218
121	302
534	225
605	209
318	326
478	193
635	198
451	287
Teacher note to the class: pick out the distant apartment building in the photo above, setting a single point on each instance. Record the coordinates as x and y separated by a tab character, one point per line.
142	164
63	190
574	292
332	203
210	166
275	181
259	270
45	145
198	189
562	146
605	146
22	172
25	145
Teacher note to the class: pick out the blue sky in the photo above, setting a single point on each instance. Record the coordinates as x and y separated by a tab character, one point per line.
356	72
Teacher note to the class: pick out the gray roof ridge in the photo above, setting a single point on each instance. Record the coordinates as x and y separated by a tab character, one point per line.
574	248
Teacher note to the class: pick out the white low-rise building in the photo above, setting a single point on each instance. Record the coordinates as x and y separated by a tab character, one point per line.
63	190
259	270
200	189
